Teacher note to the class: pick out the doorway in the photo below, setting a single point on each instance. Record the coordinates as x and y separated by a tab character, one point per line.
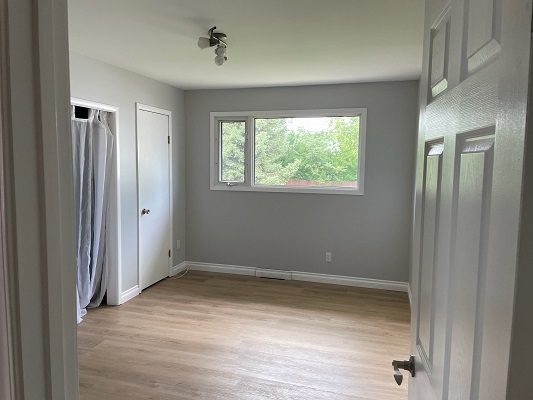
154	175
113	239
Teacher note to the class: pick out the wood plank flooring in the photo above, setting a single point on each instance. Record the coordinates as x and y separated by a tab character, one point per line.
215	336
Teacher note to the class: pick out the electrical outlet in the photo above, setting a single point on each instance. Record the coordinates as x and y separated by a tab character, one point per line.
178	244
328	256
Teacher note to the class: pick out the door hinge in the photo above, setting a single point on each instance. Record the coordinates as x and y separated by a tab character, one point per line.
169	253
168	139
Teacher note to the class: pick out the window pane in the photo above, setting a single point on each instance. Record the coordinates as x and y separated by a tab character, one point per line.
232	148
320	151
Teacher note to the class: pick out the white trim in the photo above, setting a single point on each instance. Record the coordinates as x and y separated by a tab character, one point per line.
129	294
248	185
10	351
351	281
299	276
321	112
156	110
8	359
75	101
221	268
26	348
290	189
54	219
114	288
144	107
410	294
176	269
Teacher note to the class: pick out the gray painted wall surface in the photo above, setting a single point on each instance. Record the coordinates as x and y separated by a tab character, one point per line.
104	83
368	235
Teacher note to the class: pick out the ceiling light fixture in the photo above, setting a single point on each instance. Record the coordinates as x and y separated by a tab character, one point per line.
217	39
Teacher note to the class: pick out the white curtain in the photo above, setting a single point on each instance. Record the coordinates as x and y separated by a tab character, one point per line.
92	146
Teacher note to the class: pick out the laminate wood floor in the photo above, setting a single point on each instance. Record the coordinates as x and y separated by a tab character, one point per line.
215	336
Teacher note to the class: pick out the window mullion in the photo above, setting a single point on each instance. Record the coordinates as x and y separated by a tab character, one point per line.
218	140
249	178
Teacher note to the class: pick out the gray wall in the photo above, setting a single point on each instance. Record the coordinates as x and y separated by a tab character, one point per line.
104	83
368	235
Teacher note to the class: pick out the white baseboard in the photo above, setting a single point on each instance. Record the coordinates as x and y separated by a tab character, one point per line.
350	281
299	276
129	294
176	269
222	268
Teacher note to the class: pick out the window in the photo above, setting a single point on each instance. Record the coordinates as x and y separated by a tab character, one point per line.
319	151
232	151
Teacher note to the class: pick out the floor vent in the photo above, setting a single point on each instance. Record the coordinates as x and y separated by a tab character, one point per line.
273	274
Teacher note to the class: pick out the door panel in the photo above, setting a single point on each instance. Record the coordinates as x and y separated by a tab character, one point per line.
482	35
473	99
439	54
473	182
154	196
431	200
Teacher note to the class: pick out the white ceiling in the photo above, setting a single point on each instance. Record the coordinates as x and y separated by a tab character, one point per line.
270	42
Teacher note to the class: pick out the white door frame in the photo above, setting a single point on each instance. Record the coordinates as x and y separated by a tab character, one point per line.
10	356
38	165
114	241
144	107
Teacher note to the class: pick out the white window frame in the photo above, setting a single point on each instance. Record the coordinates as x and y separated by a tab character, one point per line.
249	178
218	149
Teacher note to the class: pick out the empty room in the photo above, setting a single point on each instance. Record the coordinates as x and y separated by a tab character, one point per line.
244	199
260	178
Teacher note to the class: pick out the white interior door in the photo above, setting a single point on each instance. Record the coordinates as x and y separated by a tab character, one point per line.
467	203
155	222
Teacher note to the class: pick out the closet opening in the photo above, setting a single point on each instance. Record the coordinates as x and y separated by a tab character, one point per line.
96	164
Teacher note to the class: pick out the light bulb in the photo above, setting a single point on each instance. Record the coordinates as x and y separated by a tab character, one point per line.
220	51
219	60
203	43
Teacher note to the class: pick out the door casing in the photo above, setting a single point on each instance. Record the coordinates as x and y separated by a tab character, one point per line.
38	159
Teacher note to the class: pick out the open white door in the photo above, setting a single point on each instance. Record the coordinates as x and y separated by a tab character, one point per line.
468	191
155	214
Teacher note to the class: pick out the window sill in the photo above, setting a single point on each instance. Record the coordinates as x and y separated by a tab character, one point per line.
290	189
